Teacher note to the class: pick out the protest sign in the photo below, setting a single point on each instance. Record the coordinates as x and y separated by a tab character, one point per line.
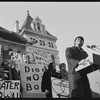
60	88
31	76
10	89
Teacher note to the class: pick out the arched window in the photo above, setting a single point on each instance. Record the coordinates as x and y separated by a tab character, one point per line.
50	44
34	26
10	49
42	42
38	26
52	57
18	51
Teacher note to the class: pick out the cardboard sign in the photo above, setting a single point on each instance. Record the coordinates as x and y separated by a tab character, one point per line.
10	89
60	88
31	76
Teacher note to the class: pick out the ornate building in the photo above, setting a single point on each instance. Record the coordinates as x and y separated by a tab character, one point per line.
40	50
42	47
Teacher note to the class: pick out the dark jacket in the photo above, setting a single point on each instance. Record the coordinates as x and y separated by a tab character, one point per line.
78	83
46	81
64	74
12	75
16	76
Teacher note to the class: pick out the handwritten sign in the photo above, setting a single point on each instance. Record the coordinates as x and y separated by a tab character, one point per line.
31	76
38	57
59	88
10	89
41	60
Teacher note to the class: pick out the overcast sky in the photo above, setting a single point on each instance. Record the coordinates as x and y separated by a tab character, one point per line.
66	20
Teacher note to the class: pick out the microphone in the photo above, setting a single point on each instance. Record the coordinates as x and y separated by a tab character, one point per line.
94	47
88	46
91	47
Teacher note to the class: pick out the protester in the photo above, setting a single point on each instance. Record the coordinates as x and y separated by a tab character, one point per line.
46	79
6	66
11	73
78	83
63	71
3	73
15	67
16	76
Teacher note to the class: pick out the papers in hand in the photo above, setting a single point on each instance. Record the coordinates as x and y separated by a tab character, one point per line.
88	60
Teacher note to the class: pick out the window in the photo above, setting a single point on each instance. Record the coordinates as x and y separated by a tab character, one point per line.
30	38
34	26
42	42
43	29
50	44
38	26
18	51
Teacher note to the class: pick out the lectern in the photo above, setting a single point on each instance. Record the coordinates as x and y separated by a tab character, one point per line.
92	64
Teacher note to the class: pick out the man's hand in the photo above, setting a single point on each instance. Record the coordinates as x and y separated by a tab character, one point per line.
83	62
46	91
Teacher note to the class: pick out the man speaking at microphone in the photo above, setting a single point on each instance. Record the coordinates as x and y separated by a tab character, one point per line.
79	86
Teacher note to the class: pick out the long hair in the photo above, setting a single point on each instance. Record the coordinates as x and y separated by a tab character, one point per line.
50	67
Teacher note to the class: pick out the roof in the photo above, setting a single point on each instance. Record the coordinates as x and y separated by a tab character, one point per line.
12	36
27	24
49	34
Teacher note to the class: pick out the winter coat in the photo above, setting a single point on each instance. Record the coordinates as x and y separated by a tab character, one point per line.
78	83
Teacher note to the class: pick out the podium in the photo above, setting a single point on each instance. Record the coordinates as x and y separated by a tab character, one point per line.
92	64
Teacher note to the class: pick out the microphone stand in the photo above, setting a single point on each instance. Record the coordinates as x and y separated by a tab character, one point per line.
95	48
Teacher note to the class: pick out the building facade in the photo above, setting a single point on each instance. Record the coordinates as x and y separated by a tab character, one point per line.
42	47
40	50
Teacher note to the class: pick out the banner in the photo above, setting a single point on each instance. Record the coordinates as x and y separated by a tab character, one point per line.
38	57
60	88
41	60
10	89
31	76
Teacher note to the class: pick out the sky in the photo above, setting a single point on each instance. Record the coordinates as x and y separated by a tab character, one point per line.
66	20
